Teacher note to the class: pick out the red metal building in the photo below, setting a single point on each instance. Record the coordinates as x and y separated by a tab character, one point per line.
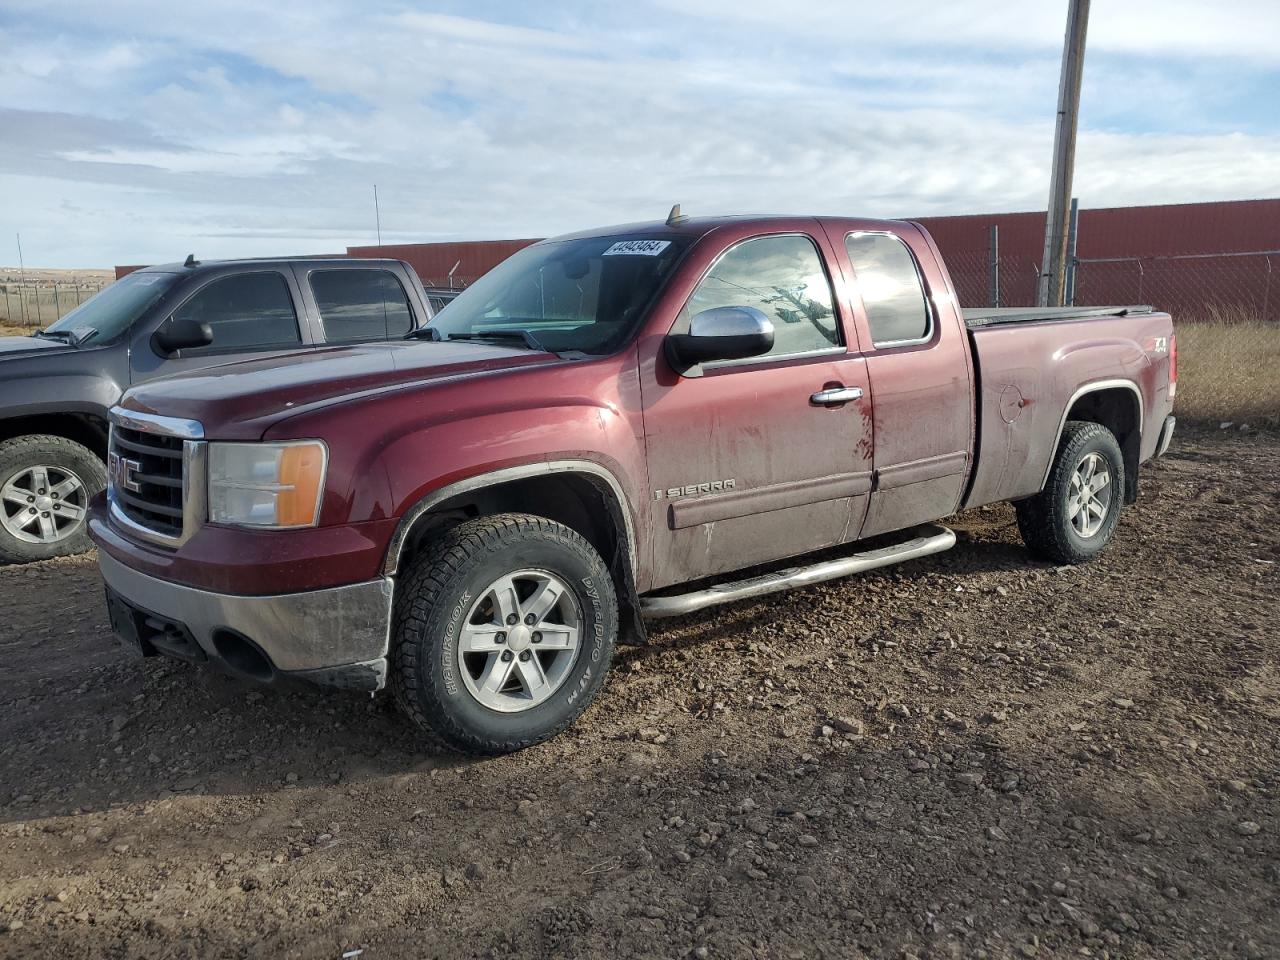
1192	258
467	260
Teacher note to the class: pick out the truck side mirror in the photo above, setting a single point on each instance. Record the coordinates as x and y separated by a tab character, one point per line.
180	333
722	333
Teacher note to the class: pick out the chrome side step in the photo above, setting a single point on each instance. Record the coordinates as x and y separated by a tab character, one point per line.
930	538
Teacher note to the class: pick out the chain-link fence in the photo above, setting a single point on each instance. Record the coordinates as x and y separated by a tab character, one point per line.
37	305
1210	286
1225	307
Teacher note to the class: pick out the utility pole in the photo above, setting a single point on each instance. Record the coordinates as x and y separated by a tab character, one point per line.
1054	264
377	214
22	283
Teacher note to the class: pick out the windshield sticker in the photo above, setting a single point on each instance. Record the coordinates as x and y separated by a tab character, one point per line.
637	248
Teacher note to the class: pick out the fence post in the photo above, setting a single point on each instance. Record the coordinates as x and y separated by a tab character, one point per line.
1073	226
993	267
1141	276
1266	291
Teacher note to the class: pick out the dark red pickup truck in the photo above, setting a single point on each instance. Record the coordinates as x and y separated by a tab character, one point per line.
475	518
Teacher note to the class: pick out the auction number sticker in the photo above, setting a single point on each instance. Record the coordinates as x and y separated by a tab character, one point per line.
637	248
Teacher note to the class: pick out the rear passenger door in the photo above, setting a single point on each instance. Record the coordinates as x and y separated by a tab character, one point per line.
918	363
358	303
252	313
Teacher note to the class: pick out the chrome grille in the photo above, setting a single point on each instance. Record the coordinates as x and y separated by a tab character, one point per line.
153	476
147	479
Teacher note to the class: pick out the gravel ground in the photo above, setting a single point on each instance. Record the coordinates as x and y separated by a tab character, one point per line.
972	755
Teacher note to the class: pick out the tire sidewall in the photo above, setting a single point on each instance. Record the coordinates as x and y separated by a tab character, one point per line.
1102	442
439	678
25	452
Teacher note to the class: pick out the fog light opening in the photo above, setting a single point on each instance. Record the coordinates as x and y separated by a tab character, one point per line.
242	655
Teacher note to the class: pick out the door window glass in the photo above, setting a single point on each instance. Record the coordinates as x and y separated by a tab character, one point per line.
358	305
891	289
782	277
245	311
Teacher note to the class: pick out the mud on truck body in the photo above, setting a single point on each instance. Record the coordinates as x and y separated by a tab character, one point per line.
611	426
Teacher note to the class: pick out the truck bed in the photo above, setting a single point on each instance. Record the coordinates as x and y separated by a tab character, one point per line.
1030	370
975	317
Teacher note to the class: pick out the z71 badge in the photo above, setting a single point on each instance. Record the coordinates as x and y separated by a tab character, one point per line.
693	489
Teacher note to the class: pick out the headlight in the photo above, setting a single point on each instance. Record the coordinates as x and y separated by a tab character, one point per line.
267	484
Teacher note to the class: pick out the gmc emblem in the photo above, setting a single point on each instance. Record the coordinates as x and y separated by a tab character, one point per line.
121	473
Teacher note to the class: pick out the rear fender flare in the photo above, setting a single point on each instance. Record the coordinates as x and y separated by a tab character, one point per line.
1094	387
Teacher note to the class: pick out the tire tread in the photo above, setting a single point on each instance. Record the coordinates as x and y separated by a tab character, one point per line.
1041	521
79	543
427	578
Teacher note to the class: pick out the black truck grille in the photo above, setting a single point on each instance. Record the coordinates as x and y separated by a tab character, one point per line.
151	463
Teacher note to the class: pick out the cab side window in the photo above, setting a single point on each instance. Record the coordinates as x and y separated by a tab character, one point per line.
782	277
358	305
891	289
246	311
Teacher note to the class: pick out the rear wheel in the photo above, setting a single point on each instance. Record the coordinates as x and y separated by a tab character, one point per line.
46	483
1075	516
504	630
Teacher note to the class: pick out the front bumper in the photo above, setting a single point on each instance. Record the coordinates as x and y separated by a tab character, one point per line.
336	636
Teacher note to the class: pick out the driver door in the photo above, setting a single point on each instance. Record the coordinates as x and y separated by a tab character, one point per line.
747	464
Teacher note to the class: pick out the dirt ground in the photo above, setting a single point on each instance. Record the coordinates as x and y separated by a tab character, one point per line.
972	755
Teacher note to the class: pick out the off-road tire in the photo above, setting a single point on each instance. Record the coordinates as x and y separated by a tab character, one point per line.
48	450
1043	520
433	599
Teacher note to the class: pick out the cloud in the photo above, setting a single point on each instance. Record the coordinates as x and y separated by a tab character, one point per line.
246	129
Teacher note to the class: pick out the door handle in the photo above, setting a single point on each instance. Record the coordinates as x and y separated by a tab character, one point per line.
836	395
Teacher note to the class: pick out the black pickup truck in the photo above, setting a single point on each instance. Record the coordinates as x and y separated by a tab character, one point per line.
57	386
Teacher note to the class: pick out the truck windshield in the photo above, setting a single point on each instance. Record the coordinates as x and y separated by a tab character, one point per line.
106	315
584	295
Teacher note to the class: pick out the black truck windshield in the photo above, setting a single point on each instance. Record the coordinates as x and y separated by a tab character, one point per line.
108	314
564	296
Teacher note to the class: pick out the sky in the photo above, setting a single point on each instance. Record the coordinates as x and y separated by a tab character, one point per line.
137	132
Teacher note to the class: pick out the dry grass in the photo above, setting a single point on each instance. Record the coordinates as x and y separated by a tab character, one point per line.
12	330
1229	369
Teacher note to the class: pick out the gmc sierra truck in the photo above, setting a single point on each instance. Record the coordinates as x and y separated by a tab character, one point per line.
628	423
57	386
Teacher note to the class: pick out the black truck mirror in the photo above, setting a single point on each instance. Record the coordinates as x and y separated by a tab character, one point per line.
178	334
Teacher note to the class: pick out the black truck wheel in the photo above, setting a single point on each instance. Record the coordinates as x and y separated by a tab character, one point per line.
1075	516
46	483
503	632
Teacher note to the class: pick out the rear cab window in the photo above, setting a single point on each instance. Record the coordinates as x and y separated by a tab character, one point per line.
358	305
245	311
889	281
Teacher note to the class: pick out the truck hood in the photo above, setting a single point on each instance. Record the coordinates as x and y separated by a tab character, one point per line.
12	346
239	401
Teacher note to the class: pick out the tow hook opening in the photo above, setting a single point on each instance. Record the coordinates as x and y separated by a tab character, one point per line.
242	656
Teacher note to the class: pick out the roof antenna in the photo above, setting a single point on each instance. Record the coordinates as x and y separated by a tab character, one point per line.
191	261
675	216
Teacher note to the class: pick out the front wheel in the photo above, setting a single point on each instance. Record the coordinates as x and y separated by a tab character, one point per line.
504	630
46	483
1075	516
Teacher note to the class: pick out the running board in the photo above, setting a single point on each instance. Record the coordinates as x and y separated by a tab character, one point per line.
930	538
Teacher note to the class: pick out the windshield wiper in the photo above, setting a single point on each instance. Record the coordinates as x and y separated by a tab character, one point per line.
69	336
507	336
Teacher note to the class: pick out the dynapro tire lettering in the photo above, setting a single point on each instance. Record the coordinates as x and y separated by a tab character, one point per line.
447	670
597	630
